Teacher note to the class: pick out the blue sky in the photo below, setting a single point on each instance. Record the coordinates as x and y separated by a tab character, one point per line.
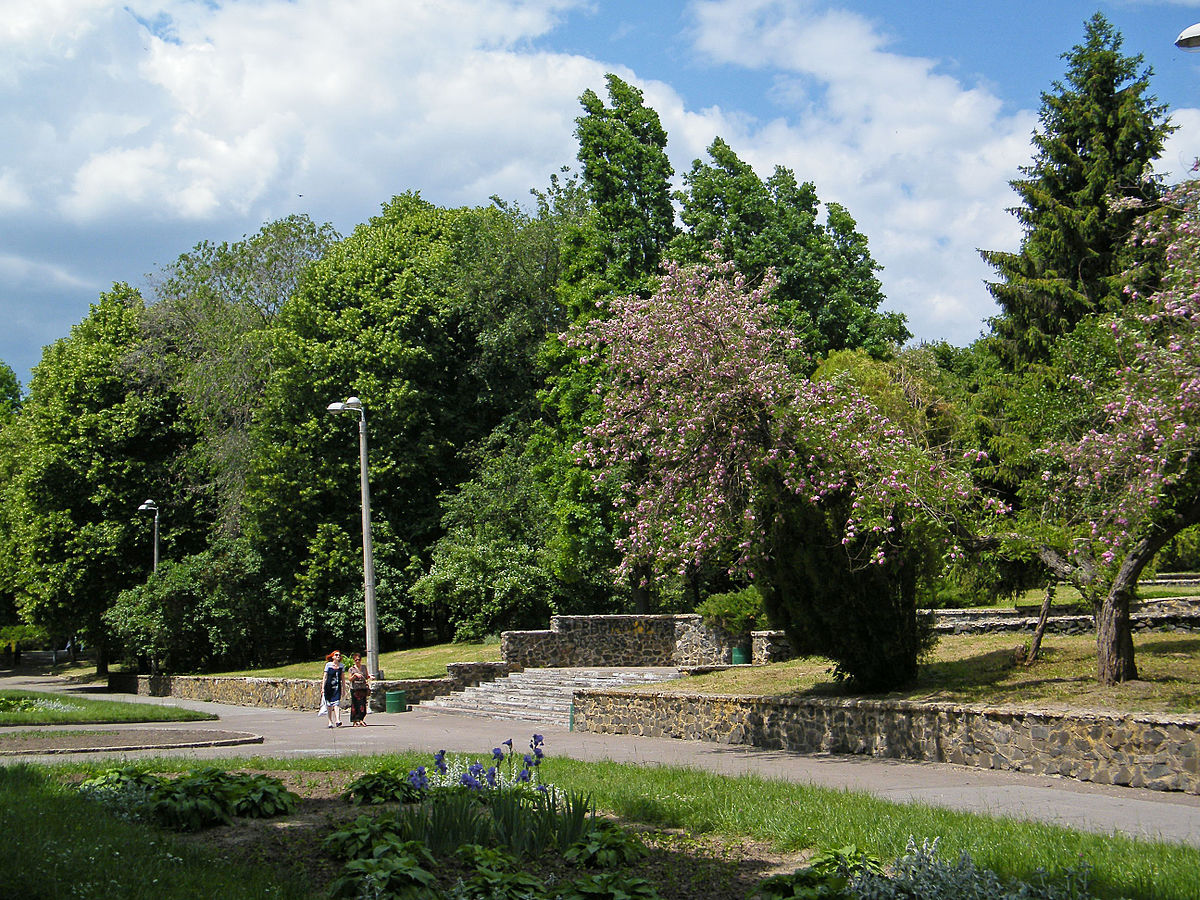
136	128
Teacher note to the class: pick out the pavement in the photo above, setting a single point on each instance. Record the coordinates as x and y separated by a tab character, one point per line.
1105	809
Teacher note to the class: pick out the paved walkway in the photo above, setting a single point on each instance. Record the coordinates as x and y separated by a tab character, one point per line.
1135	812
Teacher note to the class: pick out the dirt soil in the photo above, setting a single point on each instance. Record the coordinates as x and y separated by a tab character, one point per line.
43	740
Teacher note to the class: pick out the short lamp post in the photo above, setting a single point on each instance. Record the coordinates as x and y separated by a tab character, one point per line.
354	405
151	506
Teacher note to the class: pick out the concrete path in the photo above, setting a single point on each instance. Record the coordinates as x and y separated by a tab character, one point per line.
1134	812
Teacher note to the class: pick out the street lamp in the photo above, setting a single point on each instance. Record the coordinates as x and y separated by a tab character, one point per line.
354	405
151	506
1189	38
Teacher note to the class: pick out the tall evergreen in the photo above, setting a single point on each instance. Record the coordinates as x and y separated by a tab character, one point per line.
1100	131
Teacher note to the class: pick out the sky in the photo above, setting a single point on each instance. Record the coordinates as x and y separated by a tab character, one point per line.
131	130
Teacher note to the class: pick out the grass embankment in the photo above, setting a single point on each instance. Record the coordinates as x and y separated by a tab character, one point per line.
983	668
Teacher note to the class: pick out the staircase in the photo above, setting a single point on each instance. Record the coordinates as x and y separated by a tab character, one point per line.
542	695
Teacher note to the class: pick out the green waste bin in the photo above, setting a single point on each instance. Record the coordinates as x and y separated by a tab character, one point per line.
394	701
740	656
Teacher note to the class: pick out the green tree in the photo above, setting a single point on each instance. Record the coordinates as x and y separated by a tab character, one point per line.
203	612
1100	130
402	314
91	442
205	341
627	176
827	291
10	391
617	248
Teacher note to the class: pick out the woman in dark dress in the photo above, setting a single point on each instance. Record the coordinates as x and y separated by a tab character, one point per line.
360	691
332	683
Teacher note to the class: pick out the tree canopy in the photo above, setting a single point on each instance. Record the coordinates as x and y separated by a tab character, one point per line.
1100	129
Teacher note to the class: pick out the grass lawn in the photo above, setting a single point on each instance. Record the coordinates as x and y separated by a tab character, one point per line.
33	708
981	668
713	836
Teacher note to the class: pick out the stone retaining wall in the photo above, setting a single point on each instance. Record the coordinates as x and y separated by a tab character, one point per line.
298	693
1146	751
630	640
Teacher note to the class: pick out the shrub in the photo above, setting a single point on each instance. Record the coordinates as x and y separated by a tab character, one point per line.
384	786
736	613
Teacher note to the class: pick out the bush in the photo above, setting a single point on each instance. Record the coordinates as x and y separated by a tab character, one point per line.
737	613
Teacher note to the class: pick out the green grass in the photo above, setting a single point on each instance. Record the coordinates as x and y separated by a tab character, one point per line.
981	668
34	708
58	845
423	662
788	816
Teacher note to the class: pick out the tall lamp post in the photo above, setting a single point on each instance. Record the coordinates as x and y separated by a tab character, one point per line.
151	506
353	404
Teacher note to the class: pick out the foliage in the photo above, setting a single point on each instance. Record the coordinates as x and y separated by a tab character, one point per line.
827	292
402	873
606	846
920	873
261	796
191	802
202	612
608	886
1129	483
735	612
12	637
627	177
205	340
490	572
721	449
10	391
59	843
90	444
1100	130
384	786
401	315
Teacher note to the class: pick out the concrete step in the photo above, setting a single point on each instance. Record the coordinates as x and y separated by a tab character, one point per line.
542	695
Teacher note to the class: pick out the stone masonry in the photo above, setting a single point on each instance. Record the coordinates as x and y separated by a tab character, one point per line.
1161	753
299	693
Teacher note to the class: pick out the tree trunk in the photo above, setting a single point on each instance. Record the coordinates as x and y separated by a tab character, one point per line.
1114	637
1035	646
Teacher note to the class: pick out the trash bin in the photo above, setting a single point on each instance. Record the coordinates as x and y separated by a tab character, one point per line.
740	656
394	701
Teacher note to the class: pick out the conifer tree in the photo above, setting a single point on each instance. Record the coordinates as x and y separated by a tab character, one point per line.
1100	130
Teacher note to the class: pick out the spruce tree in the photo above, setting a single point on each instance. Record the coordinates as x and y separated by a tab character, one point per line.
1100	130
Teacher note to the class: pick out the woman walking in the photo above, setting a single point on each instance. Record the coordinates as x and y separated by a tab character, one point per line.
331	688
360	691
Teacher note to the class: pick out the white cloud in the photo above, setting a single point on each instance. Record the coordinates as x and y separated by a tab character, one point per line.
237	104
21	270
921	160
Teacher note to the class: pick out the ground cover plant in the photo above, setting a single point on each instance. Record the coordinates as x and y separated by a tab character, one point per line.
705	835
35	708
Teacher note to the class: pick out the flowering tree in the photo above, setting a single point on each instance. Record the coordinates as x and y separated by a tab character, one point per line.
1133	482
721	450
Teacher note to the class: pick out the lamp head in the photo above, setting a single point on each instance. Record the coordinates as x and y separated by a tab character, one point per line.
1189	38
148	506
350	404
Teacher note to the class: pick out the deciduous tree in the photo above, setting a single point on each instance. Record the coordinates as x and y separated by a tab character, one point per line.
721	447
